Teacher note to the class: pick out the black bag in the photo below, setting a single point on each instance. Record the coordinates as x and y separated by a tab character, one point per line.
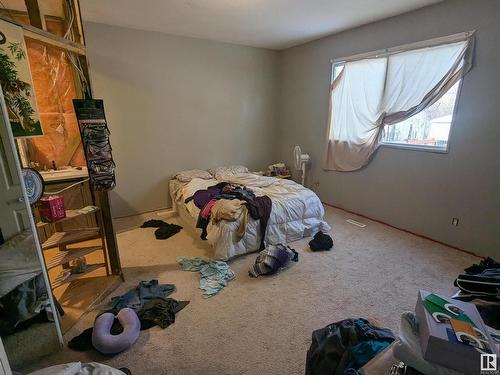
484	284
321	242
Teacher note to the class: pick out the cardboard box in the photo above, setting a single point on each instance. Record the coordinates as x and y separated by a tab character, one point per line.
435	338
51	209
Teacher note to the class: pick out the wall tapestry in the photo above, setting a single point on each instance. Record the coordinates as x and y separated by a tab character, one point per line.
16	82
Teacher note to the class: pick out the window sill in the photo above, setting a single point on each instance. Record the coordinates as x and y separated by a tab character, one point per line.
438	150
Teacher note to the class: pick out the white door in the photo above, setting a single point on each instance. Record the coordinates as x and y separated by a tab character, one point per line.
13	214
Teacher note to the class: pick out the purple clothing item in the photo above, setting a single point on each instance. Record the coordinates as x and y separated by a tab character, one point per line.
202	197
272	259
260	208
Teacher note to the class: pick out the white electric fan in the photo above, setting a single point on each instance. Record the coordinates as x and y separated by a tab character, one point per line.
300	162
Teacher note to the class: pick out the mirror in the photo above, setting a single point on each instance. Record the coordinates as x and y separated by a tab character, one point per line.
29	324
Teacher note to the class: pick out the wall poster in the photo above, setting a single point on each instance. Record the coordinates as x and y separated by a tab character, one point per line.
16	82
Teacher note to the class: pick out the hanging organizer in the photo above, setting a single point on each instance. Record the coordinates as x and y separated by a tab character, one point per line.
95	137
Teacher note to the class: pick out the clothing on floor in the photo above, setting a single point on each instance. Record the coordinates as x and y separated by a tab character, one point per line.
231	210
160	312
321	242
136	298
157	311
149	300
260	208
331	347
83	341
408	350
153	223
214	274
362	353
23	304
164	231
481	280
272	259
482	285
483	265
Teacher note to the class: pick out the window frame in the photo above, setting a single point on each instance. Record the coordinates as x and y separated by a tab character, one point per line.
438	150
393	50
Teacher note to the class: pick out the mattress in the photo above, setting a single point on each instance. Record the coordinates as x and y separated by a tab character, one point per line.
296	212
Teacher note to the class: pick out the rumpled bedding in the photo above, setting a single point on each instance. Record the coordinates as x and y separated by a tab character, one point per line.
23	293
18	262
296	212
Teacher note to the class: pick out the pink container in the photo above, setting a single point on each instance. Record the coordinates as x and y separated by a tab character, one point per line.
52	209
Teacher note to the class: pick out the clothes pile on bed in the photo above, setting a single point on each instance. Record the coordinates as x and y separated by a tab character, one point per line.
240	212
229	202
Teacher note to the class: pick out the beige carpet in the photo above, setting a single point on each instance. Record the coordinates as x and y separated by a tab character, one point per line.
263	326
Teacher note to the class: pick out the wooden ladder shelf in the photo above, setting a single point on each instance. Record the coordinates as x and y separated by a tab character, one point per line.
62	238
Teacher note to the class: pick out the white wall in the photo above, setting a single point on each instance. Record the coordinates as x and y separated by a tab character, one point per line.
175	103
413	190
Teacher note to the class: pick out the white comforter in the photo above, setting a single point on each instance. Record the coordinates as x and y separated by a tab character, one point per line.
296	212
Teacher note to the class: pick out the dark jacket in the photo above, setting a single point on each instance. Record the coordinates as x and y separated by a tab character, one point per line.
330	351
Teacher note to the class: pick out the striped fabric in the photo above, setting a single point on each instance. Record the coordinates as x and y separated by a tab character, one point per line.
271	259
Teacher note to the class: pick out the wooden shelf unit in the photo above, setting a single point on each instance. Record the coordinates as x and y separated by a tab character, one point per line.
65	257
70	215
60	239
66	238
60	280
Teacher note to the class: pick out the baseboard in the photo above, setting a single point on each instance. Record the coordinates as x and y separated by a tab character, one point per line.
144	212
405	230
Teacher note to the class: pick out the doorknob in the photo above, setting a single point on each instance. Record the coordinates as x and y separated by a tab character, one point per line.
18	200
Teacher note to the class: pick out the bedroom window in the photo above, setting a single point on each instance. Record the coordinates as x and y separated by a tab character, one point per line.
401	97
427	130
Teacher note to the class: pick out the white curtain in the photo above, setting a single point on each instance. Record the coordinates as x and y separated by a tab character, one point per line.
371	93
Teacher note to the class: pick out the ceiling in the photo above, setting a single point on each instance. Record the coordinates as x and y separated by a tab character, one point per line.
274	24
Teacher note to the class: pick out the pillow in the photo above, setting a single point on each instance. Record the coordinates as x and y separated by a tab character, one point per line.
102	339
188	175
217	172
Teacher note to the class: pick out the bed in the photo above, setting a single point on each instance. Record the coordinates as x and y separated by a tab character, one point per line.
296	212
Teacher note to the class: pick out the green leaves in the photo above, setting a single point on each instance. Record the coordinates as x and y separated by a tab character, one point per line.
16	49
16	91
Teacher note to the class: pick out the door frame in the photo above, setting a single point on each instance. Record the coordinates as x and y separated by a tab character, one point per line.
4	361
39	252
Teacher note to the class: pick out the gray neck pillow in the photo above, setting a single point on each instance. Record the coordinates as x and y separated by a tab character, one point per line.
106	343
